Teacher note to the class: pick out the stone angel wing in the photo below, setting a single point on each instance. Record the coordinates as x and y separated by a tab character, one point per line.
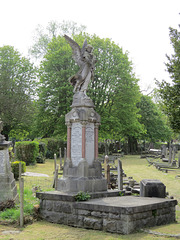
77	51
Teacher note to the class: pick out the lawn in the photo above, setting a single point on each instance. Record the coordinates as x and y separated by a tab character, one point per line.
134	167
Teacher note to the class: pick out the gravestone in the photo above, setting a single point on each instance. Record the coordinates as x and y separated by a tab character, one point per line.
174	155
179	160
82	170
163	151
120	175
152	188
8	189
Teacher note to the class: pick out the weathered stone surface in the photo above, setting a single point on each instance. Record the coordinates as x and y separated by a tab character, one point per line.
72	220
109	225
92	223
76	184
84	212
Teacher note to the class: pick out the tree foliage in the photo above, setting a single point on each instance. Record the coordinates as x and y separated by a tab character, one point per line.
170	93
153	120
17	85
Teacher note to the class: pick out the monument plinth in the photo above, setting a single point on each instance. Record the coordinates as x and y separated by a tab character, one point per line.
82	170
8	189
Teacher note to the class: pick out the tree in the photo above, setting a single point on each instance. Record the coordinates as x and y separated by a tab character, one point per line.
43	36
170	93
113	82
17	84
154	121
55	92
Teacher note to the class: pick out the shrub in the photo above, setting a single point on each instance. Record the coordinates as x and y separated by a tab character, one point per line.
27	152
15	168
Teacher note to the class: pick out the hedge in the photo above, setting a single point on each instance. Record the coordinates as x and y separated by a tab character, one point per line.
52	146
27	151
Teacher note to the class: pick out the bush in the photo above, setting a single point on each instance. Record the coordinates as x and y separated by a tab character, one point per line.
27	152
52	146
15	168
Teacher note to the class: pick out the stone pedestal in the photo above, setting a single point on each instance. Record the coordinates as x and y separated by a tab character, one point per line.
82	170
8	189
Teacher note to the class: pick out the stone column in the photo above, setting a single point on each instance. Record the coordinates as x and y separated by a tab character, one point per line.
83	140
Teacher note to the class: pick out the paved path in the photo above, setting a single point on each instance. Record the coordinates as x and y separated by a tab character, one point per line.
32	174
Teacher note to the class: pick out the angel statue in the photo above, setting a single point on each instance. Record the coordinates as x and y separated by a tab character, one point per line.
86	61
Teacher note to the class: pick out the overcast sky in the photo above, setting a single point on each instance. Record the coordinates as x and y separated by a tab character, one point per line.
140	27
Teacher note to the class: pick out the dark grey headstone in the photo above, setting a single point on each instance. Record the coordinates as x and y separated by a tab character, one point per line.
152	188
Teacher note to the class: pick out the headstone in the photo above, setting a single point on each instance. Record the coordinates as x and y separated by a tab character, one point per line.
8	189
107	171
152	188
170	154
179	160
174	155
163	151
120	175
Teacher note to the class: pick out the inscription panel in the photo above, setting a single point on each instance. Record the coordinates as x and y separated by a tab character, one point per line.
2	162
90	143
76	143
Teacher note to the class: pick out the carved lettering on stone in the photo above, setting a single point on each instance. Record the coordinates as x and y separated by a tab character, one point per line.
90	143
76	143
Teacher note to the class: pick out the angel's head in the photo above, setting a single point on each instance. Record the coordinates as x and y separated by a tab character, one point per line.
89	48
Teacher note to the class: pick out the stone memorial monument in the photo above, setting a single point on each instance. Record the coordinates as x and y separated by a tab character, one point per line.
82	170
8	189
106	210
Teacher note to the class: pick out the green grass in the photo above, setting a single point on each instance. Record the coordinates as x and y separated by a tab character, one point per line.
13	214
133	166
